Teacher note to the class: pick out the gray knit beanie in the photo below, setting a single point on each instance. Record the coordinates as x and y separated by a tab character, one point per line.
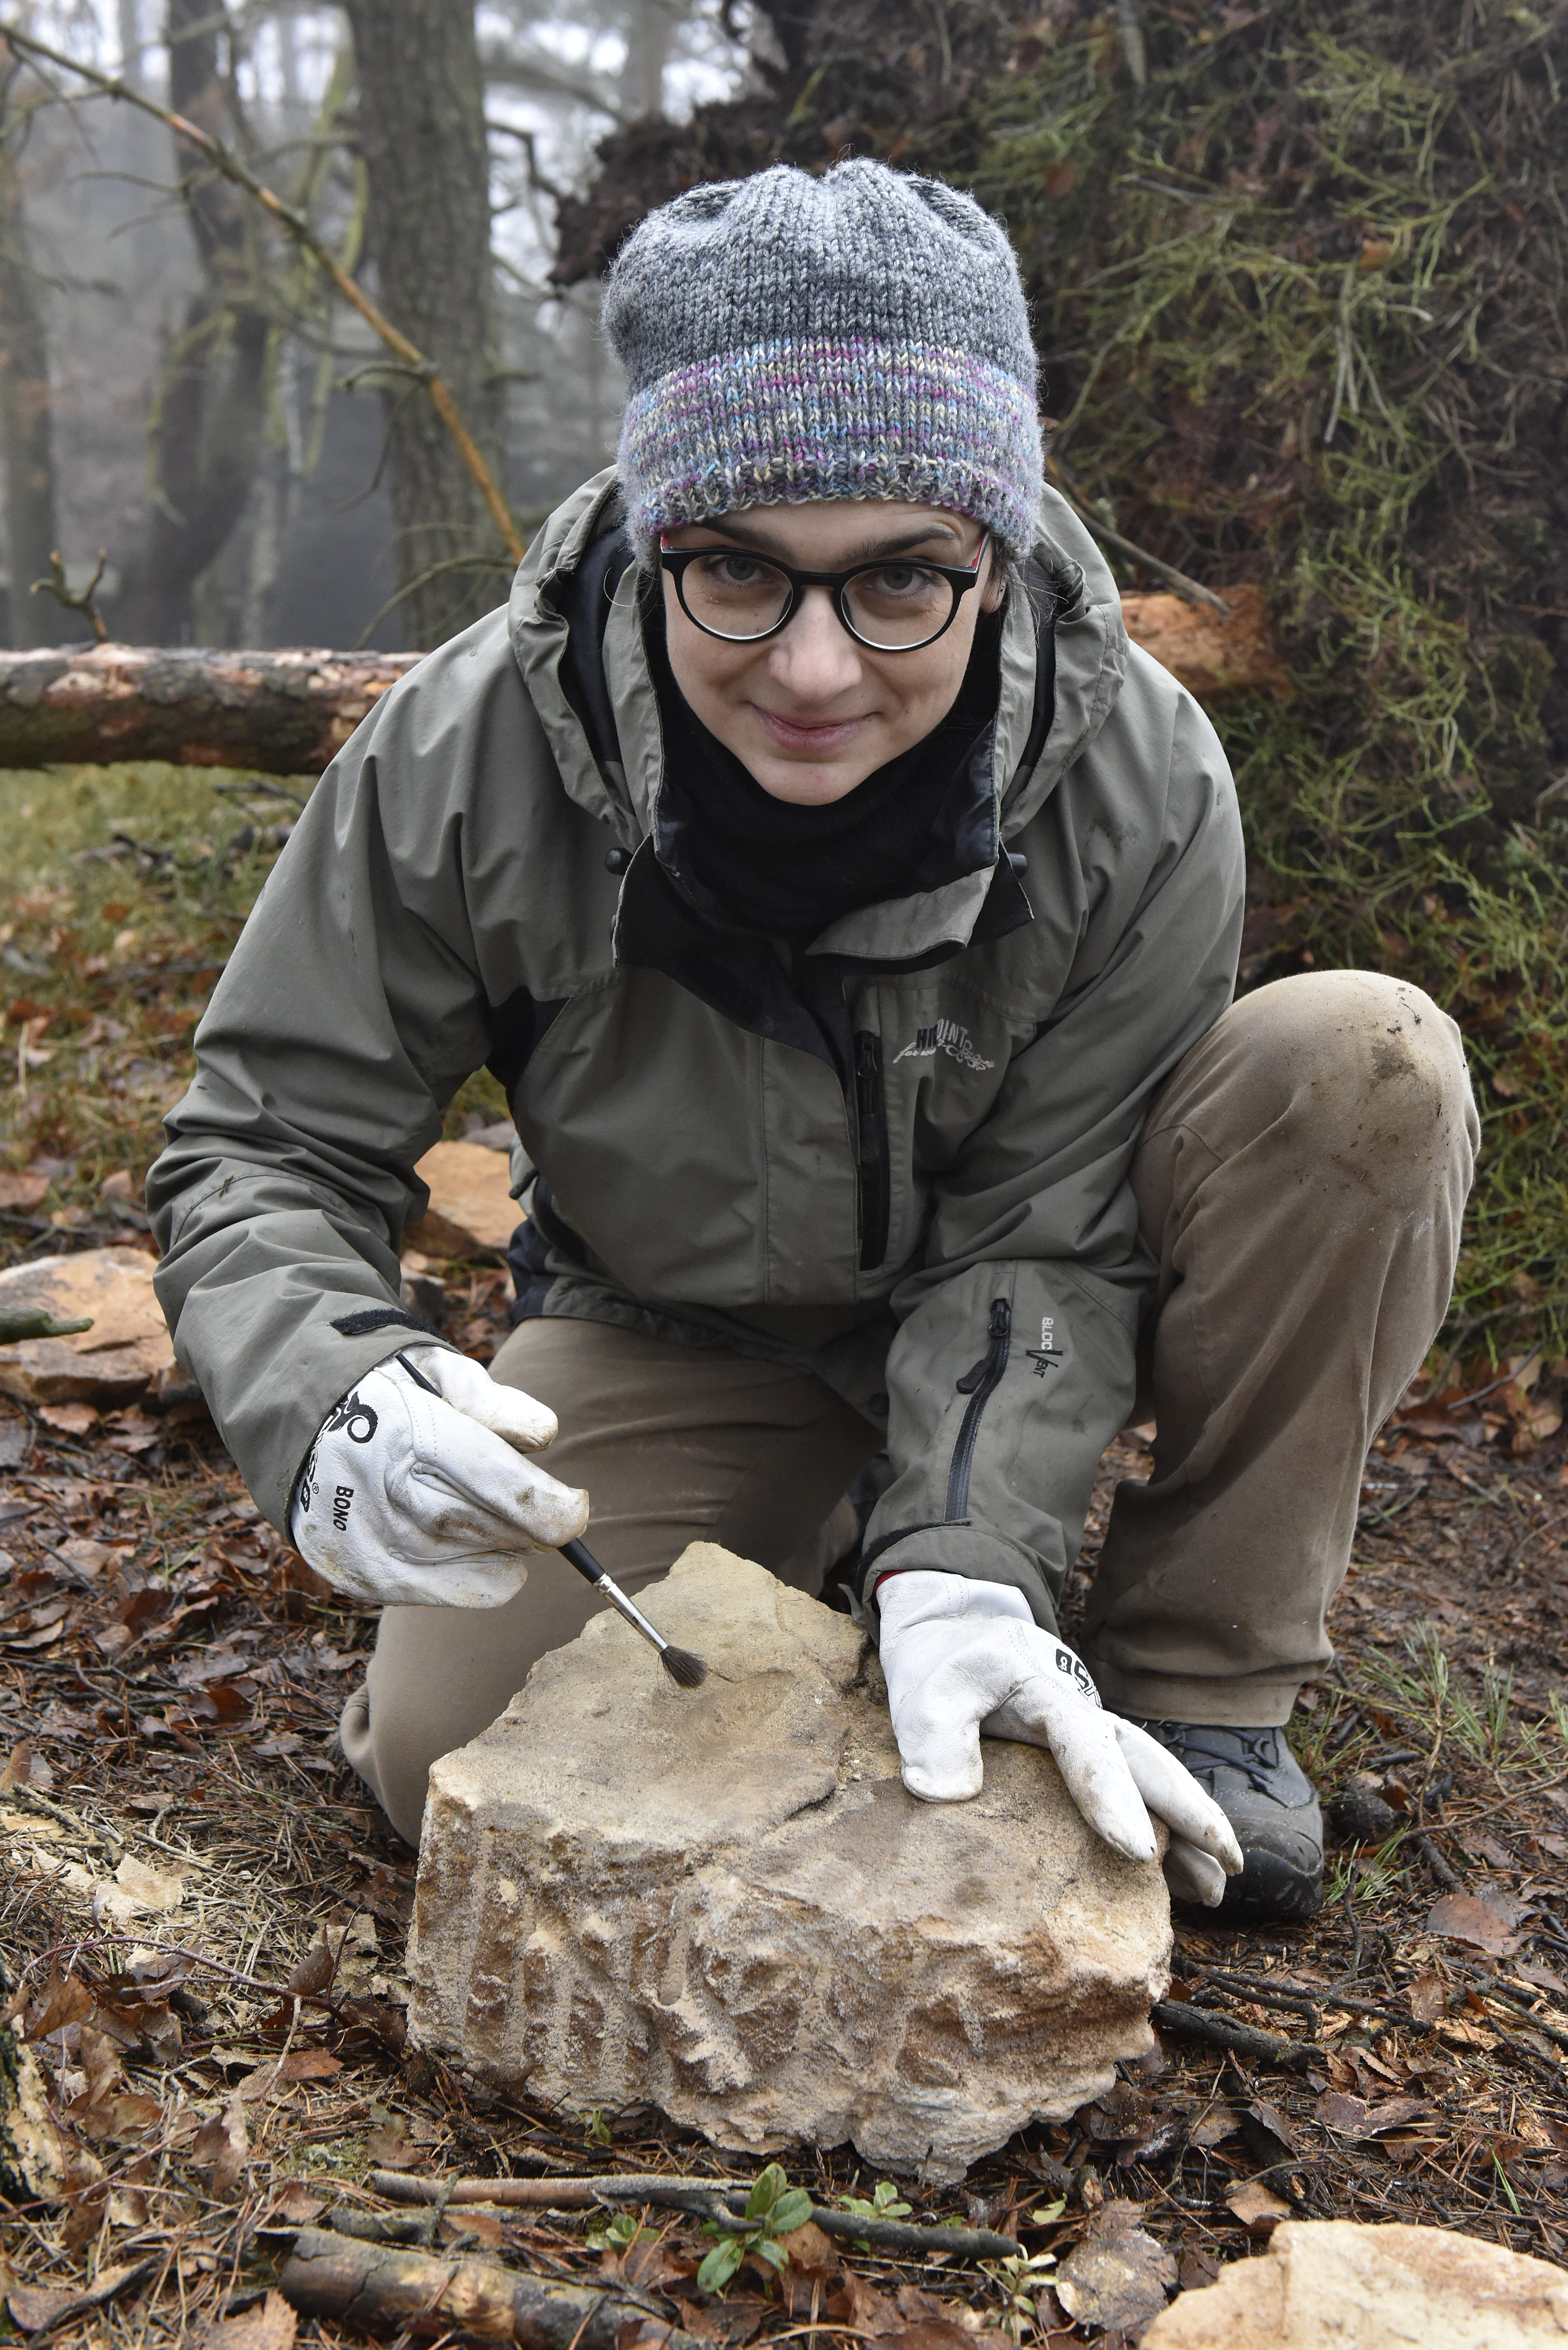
862	335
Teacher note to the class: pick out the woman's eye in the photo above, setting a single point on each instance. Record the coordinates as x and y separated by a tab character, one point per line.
734	571
902	579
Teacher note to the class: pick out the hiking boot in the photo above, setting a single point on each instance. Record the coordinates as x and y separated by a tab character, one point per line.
1270	1801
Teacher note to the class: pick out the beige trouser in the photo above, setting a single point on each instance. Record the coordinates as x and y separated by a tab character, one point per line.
1301	1180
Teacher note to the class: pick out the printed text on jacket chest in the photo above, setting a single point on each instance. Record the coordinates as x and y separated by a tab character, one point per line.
949	1036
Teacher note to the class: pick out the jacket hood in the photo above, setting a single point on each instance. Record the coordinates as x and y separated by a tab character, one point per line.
596	703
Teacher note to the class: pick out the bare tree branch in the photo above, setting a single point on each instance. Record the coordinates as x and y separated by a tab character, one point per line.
225	160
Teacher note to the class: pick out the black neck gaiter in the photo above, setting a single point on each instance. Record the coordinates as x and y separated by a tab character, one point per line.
763	863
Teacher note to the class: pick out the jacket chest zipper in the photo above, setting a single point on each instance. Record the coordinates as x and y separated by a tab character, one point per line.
980	1384
872	1176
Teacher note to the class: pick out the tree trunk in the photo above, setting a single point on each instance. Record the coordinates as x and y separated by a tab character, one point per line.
650	37
212	407
31	532
285	713
128	25
421	135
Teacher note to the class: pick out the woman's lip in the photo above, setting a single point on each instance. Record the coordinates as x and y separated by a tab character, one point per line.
791	736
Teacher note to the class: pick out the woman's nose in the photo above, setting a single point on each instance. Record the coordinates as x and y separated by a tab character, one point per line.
816	656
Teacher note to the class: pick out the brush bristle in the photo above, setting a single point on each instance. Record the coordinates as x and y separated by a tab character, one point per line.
685	1669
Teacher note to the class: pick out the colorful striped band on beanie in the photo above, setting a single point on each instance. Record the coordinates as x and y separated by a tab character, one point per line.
820	418
859	335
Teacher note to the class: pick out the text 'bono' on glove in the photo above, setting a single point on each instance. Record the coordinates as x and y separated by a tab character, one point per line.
416	1492
962	1659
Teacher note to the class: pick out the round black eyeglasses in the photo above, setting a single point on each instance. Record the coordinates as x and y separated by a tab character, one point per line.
890	606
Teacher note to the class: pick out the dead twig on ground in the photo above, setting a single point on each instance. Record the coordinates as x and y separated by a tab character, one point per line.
714	2198
1197	2023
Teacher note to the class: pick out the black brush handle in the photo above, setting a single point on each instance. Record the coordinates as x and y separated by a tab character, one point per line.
583	1559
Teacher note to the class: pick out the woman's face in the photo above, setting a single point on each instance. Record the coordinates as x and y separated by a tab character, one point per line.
811	712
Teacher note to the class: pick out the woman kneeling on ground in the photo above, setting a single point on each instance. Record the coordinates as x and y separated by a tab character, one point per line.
851	916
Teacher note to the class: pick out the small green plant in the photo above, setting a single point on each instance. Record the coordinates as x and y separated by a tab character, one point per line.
596	2126
1497	1701
884	2204
1020	2281
772	2208
623	2230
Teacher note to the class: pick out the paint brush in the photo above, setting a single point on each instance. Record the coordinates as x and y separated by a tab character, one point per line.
685	1669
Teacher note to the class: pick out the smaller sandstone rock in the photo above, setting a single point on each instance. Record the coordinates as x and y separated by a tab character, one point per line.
126	1350
1328	2284
472	1210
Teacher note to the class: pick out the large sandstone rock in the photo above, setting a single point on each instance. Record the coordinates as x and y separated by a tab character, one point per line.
126	1352
472	1210
1334	2284
723	1902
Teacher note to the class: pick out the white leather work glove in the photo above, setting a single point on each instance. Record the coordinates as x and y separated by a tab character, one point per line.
417	1493
963	1658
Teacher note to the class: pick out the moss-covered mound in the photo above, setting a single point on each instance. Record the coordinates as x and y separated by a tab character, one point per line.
1300	283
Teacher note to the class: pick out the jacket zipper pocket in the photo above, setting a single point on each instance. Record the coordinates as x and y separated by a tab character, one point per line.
980	1384
873	1181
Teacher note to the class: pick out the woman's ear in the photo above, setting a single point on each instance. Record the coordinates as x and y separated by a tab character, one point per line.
993	594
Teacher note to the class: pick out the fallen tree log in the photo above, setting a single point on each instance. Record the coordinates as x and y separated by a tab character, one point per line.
1215	655
286	713
419	2295
283	712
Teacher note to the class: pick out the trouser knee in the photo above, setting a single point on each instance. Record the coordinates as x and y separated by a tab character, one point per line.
1352	1070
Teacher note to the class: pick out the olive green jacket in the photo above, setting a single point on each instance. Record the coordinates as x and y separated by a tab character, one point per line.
900	1158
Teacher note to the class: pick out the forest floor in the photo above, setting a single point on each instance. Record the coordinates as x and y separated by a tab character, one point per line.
169	1678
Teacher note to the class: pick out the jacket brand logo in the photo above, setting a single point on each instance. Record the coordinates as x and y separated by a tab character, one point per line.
1047	1354
949	1036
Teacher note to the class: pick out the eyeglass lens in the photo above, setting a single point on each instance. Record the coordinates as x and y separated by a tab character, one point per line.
897	607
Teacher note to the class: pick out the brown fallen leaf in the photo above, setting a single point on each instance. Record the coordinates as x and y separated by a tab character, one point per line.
811	2258
26	1769
1218	2123
1536	1973
1458	2031
733	2320
1353	2117
309	2065
294	2203
1117	2274
65	2000
1462	1918
1428	1997
1268	2124
861	2308
124	2115
1258	2208
270	2325
483	2228
70	1418
940	2333
386	2146
225	2143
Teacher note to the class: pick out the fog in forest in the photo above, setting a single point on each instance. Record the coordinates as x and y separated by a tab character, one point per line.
183	390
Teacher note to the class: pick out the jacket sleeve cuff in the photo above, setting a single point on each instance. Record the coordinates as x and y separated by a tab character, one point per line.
978	1551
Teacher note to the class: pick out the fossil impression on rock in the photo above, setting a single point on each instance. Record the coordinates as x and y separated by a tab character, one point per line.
722	1902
